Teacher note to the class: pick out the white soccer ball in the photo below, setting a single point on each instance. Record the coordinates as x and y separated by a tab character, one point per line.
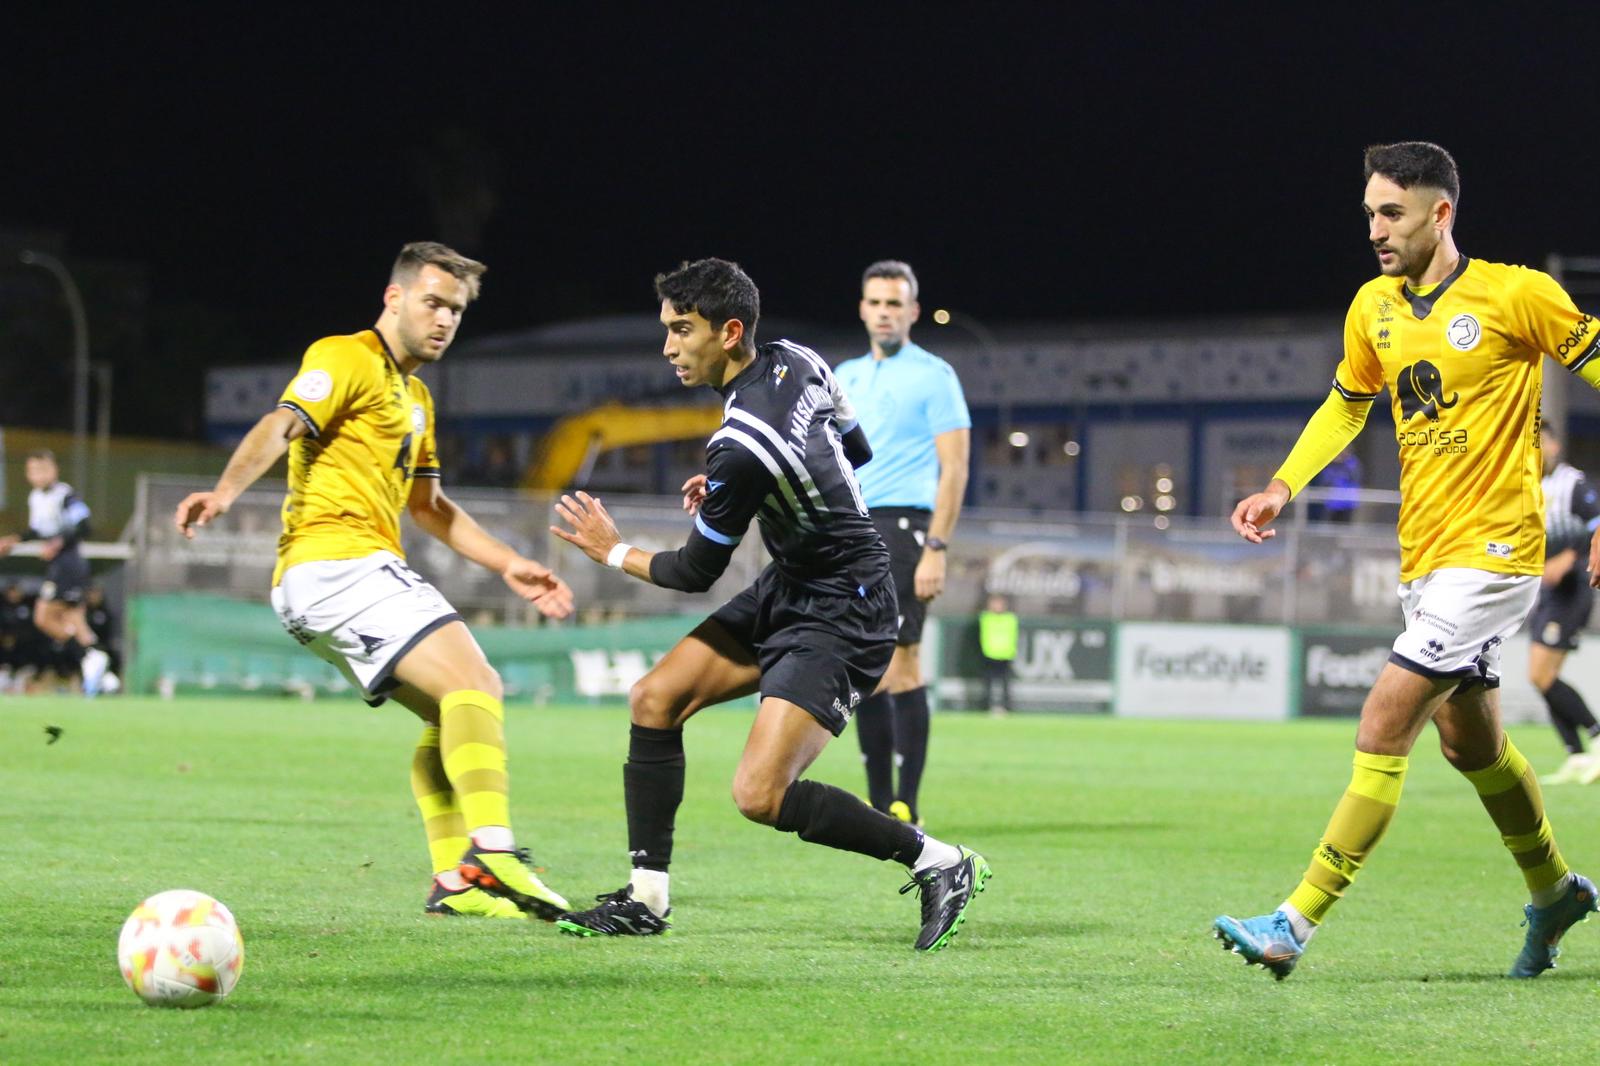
180	948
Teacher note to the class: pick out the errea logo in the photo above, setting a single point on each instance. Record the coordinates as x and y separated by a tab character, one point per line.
1463	332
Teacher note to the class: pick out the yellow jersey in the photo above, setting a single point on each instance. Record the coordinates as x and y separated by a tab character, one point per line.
1463	364
369	433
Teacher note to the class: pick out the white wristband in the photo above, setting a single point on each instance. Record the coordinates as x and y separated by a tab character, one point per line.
619	551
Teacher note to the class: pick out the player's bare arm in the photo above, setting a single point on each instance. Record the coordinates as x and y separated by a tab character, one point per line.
264	445
1256	512
694	490
1558	566
953	448
445	520
595	534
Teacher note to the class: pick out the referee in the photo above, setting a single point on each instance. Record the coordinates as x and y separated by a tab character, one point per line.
910	404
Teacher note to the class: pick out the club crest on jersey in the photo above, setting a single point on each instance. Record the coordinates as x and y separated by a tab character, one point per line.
419	418
779	372
1421	389
1463	332
313	385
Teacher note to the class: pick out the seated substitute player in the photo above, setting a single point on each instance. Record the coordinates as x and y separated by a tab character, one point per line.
358	426
59	518
814	634
1572	510
1459	343
913	411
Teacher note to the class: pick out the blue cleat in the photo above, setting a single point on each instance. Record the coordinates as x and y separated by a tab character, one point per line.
1546	925
1267	940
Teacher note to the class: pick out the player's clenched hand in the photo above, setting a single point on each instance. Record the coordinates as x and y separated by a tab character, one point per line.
535	583
592	529
1253	514
197	509
694	490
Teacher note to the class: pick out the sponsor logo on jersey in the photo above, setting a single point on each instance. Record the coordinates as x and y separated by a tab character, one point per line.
313	385
1463	332
1421	390
419	418
1575	337
1498	549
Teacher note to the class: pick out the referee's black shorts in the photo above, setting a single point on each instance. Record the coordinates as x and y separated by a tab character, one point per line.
904	529
66	577
1560	613
823	653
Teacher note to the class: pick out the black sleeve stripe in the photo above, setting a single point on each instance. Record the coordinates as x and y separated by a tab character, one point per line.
311	423
1352	396
427	471
1588	354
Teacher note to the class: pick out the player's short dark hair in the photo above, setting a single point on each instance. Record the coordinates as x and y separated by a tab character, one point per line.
894	269
418	254
1412	163
715	288
43	453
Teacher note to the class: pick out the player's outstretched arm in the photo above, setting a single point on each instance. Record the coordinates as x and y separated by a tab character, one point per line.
444	520
595	534
264	445
1255	513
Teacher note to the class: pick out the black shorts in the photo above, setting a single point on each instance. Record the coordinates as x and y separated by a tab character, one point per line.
904	529
824	653
65	578
1559	615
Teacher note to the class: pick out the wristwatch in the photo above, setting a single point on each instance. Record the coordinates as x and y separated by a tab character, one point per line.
934	544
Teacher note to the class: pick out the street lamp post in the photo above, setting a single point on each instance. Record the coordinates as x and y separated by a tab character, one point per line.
80	362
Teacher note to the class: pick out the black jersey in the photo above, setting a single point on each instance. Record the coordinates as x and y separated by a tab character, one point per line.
780	459
1572	509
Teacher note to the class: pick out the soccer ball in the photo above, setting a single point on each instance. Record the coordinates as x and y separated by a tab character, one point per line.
180	948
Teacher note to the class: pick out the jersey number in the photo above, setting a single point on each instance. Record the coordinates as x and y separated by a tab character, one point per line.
401	461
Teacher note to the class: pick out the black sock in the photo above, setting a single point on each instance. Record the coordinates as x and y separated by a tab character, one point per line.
1573	708
652	787
911	741
830	816
875	731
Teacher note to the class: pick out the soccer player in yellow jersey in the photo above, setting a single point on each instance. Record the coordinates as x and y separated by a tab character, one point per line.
358	426
1460	344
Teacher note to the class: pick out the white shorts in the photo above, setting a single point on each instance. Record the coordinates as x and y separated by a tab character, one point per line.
1457	619
361	615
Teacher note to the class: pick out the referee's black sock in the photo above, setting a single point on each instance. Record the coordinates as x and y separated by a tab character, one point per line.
875	721
911	740
823	814
652	788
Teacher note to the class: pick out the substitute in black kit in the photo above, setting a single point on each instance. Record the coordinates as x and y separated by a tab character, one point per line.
814	634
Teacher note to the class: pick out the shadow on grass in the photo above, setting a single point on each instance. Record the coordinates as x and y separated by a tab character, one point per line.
976	834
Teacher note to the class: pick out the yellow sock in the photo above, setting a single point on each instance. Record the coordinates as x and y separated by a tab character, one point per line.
473	743
1358	823
1510	793
441	815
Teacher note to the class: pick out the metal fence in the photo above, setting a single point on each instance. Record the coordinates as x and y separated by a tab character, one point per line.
1131	567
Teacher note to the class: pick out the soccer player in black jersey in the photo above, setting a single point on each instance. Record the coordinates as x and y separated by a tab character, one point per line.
813	634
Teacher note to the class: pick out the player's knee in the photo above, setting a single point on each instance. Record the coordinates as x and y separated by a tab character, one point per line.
757	798
487	680
651	704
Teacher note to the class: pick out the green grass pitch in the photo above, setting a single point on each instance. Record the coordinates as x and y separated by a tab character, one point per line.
1114	844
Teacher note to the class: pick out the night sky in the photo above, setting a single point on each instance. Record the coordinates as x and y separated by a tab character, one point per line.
1031	165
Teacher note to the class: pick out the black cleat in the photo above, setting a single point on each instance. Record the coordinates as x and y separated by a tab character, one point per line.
946	893
618	914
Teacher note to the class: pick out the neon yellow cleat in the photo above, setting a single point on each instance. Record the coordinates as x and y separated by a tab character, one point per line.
506	874
468	902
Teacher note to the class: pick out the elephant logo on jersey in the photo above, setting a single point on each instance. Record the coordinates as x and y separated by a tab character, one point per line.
313	385
1463	333
1421	391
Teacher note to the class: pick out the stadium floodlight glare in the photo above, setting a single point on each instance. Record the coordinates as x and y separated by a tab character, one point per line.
1165	503
1072	447
1162	521
80	362
942	317
1132	503
1018	439
1163	484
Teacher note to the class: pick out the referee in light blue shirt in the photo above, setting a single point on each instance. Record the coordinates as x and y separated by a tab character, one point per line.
910	404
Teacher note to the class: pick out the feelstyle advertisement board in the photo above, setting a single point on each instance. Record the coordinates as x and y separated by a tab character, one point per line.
1186	671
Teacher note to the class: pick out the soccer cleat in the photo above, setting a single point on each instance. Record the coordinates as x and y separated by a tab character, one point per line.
947	891
1267	940
1546	925
468	902
92	669
506	874
1591	772
1571	771
618	914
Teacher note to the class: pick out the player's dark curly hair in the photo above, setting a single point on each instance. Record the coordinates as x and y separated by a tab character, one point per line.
717	289
1412	163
